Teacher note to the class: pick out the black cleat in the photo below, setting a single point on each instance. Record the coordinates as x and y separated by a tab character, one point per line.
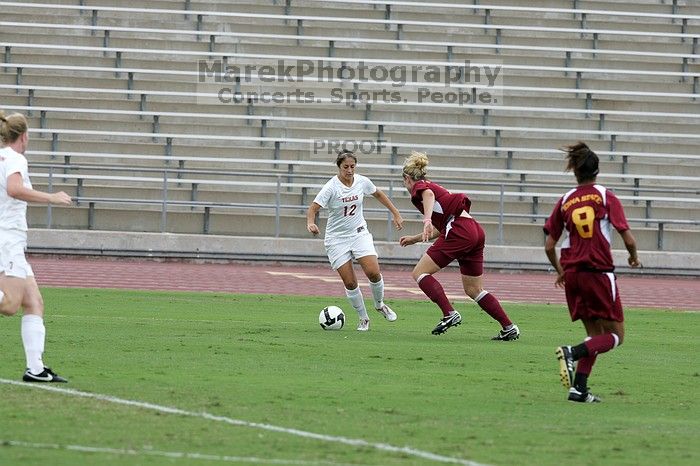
566	366
508	335
582	397
453	320
46	376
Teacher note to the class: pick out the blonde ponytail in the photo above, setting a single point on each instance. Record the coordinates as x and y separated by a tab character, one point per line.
12	127
416	166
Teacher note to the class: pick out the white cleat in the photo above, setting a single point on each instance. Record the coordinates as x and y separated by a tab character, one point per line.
387	313
363	326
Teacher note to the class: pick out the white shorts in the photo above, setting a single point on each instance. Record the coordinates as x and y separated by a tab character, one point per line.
343	250
13	263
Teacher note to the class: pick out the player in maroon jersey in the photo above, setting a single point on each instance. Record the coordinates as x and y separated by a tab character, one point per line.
586	216
460	237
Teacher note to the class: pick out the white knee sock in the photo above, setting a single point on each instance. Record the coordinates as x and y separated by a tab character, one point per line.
355	297
378	292
33	336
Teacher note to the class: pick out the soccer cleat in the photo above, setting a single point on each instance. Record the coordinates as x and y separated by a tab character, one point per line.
387	313
566	366
582	397
363	326
511	334
452	320
47	375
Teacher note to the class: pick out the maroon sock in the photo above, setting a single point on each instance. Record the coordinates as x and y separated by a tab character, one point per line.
433	290
490	304
600	344
585	365
583	370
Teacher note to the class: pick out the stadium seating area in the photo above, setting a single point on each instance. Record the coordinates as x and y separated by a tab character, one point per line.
121	118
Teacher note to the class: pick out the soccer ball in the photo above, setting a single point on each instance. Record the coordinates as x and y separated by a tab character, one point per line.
331	318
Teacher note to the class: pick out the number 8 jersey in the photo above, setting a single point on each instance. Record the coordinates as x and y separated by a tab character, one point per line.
345	217
586	216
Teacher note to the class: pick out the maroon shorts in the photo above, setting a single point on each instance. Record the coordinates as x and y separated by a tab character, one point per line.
593	295
465	242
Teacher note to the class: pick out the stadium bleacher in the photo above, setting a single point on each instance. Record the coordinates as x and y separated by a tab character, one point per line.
120	120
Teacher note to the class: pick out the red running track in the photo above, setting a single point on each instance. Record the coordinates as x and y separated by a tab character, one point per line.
320	280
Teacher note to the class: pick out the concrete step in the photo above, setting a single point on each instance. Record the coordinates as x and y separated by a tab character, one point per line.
377	113
445	158
497	17
301	46
356	131
533	127
171	82
119	39
146	145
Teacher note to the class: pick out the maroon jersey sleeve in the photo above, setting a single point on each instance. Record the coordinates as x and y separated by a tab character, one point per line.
616	213
417	194
418	188
554	226
447	205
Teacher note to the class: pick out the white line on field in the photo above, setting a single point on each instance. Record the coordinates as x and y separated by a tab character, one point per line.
167	454
255	425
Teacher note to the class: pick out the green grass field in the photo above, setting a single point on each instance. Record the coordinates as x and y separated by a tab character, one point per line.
265	360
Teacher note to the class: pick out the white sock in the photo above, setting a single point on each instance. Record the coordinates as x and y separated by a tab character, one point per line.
2	295
355	297
33	336
378	292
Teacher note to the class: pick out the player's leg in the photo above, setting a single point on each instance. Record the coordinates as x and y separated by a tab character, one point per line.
370	266
340	257
603	336
577	310
353	293
473	287
34	335
601	313
470	240
603	318
423	275
584	362
12	276
11	293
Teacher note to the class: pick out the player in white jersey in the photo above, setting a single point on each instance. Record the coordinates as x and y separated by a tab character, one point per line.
347	236
18	288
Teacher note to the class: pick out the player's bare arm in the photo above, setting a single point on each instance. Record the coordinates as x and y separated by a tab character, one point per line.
413	239
551	251
631	245
311	226
386	202
428	204
17	190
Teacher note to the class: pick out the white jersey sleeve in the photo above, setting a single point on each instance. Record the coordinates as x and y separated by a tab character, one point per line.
368	186
13	212
324	195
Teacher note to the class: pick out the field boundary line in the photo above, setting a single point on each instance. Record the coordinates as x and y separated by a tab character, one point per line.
167	454
255	425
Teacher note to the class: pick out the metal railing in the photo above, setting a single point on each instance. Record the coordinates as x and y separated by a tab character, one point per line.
170	177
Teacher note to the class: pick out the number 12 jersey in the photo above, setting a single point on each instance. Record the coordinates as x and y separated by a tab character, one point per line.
345	217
